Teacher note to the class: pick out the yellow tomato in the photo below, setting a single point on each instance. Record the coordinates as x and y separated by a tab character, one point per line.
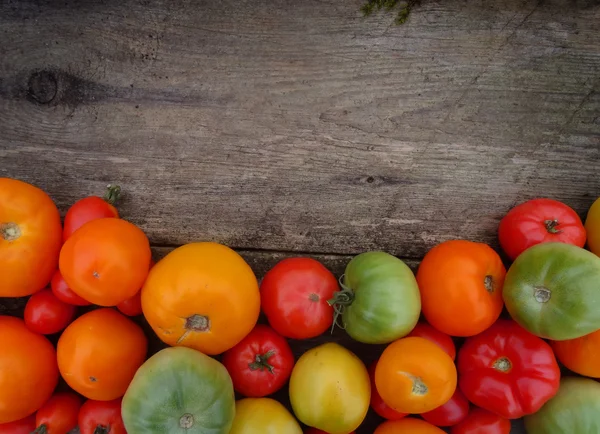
263	416
330	389
592	227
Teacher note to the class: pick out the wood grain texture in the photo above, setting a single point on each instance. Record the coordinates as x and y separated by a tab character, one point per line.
302	126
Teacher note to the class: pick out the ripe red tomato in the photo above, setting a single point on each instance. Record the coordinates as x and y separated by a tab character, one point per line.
133	306
261	363
377	404
91	208
480	421
424	330
62	291
451	413
539	221
46	314
21	426
59	414
101	417
294	295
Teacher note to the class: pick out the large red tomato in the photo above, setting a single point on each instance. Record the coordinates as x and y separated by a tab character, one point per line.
59	414
91	208
539	221
480	421
30	238
101	417
294	296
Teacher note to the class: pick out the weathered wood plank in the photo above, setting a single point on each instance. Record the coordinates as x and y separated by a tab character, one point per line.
302	126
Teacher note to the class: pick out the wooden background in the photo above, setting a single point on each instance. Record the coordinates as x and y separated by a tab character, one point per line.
299	127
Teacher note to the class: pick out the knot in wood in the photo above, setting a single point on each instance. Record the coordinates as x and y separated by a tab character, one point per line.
43	86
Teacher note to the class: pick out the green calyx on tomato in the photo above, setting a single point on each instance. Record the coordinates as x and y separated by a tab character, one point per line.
113	192
379	301
261	362
551	290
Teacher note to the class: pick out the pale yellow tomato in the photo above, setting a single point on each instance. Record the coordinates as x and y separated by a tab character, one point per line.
592	227
263	416
330	389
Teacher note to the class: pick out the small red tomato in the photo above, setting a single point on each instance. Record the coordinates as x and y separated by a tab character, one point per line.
444	341
294	295
21	426
62	291
59	414
539	221
91	208
46	314
377	404
451	413
480	421
133	306
261	363
101	417
318	431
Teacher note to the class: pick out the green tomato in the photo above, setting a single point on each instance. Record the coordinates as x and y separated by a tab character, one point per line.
575	409
380	301
179	390
552	290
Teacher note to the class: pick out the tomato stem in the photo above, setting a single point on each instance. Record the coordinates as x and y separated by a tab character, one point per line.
101	429
113	192
503	364
261	361
41	429
10	231
339	302
551	226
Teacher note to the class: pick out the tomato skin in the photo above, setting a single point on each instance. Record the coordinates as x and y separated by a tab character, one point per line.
377	404
106	261
132	306
445	342
30	238
411	363
450	413
62	291
59	414
580	355
28	370
45	314
90	208
261	363
294	295
263	416
468	278
105	415
92	346
318	431
480	421
592	227
507	370
21	426
329	379
407	425
539	221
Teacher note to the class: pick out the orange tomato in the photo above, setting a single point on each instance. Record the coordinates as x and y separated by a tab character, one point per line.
415	375
408	425
203	296
99	353
461	287
106	261
28	371
30	238
580	355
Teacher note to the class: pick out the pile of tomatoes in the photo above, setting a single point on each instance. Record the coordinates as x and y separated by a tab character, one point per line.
468	343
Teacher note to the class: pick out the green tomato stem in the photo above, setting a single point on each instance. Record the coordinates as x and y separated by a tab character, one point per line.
41	429
113	192
551	226
261	361
339	302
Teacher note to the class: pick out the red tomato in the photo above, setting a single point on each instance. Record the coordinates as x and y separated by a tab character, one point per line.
62	291
21	426
539	221
294	295
508	370
46	314
133	306
444	341
101	417
318	431
480	421
377	404
59	414
261	363
91	208
451	413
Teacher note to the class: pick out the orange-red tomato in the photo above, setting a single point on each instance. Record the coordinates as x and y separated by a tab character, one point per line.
203	296
580	355
408	425
106	261
133	306
461	287
91	208
377	403
28	371
445	342
59	414
99	353
30	238
414	375
21	426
